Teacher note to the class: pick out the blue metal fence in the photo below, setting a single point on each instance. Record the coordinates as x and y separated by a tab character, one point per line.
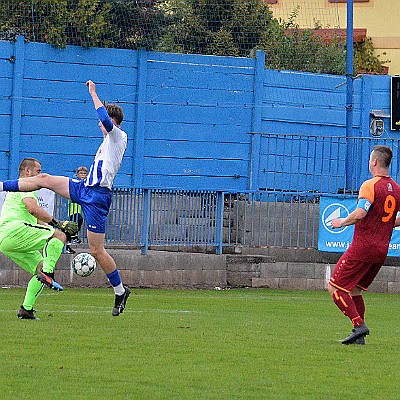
284	214
320	164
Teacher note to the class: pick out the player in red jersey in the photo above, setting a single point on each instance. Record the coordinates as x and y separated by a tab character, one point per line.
374	219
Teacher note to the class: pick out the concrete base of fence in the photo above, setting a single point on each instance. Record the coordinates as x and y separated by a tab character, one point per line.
288	269
153	270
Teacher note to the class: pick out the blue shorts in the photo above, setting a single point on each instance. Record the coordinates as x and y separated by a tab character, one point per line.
95	203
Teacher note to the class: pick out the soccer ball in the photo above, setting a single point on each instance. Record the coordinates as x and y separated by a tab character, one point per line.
84	264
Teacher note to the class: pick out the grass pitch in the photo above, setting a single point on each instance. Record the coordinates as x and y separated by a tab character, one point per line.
231	344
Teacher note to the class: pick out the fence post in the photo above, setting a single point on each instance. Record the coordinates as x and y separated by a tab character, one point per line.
349	98
140	120
144	233
16	104
253	183
219	222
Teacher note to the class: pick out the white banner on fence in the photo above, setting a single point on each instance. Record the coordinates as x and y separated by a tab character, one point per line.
45	196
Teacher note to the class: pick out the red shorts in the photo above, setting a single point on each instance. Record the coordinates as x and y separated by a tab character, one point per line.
349	273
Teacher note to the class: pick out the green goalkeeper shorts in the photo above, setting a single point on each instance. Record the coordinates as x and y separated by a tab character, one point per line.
22	242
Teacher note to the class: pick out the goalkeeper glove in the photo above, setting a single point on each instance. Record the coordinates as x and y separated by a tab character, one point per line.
70	228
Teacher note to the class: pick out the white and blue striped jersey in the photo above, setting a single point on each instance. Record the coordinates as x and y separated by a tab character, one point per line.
108	159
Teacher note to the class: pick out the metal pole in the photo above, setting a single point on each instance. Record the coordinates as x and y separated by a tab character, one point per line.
146	204
219	223
349	94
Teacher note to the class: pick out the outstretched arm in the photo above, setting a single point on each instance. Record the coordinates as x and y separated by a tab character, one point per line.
353	218
98	105
92	90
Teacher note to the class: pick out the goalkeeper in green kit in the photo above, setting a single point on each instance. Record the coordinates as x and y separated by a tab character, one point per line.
32	238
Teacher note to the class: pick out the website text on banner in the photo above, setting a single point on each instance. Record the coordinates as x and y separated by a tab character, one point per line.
338	240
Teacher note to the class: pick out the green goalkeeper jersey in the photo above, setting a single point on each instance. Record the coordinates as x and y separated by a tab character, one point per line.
14	208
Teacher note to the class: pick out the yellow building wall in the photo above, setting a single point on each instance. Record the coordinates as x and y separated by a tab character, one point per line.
381	18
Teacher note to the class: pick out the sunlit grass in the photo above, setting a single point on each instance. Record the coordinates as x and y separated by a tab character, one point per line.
232	344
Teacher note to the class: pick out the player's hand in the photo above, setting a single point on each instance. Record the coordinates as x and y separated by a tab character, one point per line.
70	228
336	223
92	86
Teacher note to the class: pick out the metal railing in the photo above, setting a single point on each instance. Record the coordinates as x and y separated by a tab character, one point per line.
144	217
286	214
153	217
322	164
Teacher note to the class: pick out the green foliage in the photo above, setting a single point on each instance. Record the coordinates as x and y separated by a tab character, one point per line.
293	48
140	28
365	59
223	27
184	31
13	17
230	28
57	22
302	50
204	345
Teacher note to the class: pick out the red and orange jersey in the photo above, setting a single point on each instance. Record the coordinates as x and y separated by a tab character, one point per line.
373	233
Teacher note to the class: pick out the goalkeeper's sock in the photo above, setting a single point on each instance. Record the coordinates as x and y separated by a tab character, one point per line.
346	305
9	186
51	253
116	283
32	292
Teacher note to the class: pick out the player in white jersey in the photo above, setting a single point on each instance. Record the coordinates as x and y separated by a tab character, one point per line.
93	193
109	155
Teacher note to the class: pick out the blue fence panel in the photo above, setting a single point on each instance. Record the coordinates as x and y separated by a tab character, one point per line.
187	117
290	163
283	215
196	122
202	131
302	163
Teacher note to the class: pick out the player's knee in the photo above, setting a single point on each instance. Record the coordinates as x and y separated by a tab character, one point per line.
42	179
39	267
96	252
331	289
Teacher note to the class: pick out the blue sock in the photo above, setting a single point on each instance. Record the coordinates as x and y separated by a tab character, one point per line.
10	186
114	278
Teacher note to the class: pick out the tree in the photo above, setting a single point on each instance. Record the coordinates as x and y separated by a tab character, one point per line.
57	22
230	27
293	48
365	59
135	23
215	27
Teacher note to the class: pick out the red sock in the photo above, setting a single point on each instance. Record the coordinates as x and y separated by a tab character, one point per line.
346	305
360	305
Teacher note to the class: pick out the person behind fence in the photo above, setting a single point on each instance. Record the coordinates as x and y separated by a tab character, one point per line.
26	230
94	193
75	210
374	219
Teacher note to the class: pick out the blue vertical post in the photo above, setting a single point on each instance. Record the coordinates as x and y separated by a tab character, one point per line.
367	93
219	222
144	232
16	106
349	95
256	121
140	120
